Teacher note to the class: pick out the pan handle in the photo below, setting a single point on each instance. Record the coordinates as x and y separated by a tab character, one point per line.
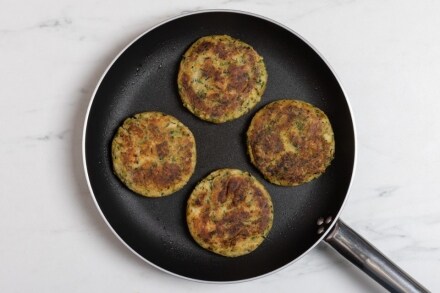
366	257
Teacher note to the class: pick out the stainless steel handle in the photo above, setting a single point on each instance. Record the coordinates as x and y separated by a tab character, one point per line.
366	257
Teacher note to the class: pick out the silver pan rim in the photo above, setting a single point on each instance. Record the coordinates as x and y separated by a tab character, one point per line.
334	220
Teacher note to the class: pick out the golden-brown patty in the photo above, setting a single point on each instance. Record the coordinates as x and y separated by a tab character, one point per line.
291	142
221	78
229	212
154	154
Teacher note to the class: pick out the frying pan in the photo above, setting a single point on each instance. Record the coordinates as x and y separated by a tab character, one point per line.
143	78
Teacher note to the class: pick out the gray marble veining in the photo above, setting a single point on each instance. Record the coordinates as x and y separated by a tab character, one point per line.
52	54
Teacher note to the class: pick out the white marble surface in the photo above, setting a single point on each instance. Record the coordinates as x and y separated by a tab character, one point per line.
52	53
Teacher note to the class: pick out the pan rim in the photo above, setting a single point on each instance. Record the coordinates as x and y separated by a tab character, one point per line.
335	219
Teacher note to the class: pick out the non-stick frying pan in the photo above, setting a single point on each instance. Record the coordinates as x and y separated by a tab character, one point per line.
143	78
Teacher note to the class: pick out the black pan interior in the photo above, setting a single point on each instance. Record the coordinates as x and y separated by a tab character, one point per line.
143	78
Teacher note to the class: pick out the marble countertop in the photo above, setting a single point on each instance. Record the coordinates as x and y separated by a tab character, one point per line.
52	54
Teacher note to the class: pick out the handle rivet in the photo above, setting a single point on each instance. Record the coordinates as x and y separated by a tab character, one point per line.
320	221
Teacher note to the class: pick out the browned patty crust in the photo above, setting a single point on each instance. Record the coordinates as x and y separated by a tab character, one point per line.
229	212
221	78
154	154
291	142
